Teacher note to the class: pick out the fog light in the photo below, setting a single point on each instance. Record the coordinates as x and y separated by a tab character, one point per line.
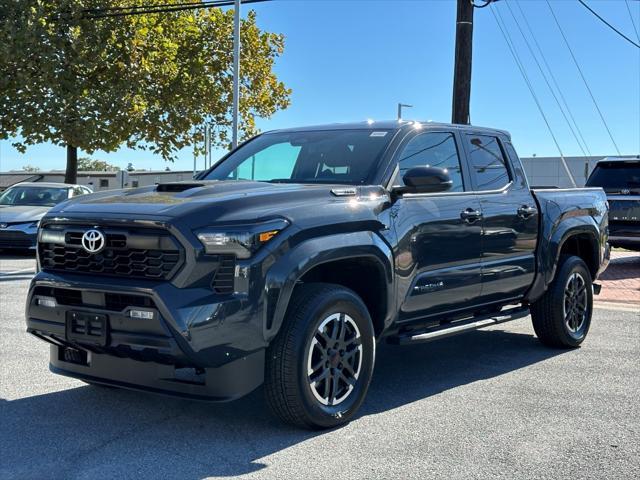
47	302
141	314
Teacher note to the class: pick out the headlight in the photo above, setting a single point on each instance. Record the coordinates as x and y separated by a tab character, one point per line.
239	240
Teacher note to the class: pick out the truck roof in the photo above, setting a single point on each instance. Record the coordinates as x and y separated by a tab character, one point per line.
392	125
628	158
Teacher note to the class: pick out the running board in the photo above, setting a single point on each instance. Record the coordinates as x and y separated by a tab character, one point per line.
460	326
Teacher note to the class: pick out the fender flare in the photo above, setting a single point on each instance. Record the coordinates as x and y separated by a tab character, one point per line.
283	275
561	236
549	252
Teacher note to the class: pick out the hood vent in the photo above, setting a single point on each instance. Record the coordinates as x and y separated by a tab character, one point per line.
177	187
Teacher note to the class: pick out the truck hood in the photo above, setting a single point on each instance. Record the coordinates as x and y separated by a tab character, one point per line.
201	203
21	213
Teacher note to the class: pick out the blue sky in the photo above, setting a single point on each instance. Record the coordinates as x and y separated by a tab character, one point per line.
356	59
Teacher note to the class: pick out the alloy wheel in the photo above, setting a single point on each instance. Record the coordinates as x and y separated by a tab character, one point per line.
575	303
334	359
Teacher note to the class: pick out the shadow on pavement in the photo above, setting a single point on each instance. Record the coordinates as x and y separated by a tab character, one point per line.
108	432
622	268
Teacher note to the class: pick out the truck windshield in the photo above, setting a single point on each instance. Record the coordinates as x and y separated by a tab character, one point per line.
328	156
616	175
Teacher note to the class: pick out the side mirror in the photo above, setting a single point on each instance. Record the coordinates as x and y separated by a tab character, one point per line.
425	180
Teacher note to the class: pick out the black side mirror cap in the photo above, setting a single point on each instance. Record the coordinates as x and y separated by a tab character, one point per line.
425	180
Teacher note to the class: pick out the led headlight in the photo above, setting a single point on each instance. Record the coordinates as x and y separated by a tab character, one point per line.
240	240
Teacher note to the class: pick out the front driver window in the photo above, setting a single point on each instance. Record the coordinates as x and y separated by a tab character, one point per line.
432	149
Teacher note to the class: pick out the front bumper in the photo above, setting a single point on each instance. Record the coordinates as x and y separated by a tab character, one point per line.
18	237
197	344
220	384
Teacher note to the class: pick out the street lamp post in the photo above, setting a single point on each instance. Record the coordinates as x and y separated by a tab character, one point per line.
400	107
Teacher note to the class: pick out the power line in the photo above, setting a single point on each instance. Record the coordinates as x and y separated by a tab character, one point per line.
586	84
546	80
511	46
633	22
144	7
553	77
609	25
166	8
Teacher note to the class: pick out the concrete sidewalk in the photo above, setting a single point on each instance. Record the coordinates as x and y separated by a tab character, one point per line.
621	281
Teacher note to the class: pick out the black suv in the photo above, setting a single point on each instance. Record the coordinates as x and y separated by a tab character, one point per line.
292	257
620	179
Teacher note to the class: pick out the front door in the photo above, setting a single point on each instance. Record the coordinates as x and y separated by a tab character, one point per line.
437	260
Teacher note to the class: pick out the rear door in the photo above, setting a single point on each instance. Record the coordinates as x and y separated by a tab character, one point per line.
437	259
510	217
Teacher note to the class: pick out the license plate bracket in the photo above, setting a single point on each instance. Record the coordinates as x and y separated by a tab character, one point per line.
86	327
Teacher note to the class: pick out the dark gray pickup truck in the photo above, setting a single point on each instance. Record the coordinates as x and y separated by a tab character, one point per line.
290	259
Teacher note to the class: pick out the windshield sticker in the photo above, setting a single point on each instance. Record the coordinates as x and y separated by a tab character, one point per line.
378	134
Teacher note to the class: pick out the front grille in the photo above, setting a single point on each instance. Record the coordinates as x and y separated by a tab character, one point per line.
15	239
132	253
223	280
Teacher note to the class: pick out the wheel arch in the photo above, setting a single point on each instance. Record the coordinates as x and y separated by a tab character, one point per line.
574	237
361	261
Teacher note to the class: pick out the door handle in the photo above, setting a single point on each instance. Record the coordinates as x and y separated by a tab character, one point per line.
470	215
526	211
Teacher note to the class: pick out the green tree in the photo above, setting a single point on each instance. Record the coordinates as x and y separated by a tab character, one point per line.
143	81
87	164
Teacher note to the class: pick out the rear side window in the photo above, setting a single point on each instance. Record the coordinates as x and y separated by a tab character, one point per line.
487	162
616	175
432	149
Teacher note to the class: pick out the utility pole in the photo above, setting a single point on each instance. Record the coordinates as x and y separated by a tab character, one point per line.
462	68
236	73
400	107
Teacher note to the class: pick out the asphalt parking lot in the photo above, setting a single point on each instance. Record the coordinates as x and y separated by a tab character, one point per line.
487	404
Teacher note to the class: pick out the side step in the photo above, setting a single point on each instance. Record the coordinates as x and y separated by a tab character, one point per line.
460	326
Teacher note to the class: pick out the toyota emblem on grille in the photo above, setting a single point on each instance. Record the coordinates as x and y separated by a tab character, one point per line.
93	241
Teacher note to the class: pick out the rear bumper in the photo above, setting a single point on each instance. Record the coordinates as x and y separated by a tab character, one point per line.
624	234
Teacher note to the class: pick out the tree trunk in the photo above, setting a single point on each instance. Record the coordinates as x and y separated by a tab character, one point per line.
71	174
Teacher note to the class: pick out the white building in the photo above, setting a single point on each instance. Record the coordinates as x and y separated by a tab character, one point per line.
541	171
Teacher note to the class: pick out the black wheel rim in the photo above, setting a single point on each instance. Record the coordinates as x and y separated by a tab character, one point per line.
575	305
334	359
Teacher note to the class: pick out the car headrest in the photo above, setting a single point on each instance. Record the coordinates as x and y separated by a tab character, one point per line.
337	156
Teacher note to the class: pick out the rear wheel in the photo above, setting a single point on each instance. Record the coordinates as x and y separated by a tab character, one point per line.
319	366
562	316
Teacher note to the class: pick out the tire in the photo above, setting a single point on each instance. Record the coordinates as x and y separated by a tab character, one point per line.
319	313
560	319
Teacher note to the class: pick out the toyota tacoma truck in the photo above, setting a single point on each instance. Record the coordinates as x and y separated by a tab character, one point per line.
291	258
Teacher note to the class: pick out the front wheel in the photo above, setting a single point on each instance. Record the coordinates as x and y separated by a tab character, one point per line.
562	316
320	364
